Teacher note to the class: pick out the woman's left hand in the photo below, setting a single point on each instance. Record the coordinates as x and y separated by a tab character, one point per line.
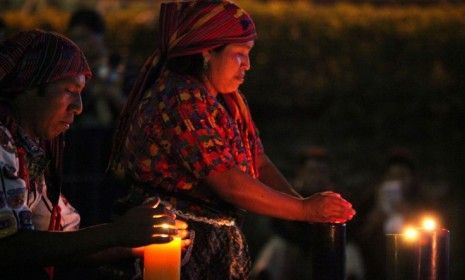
182	232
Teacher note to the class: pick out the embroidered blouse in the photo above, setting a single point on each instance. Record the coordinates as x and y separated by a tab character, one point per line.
181	134
24	204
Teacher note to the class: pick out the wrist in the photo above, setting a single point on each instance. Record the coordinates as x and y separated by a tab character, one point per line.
305	217
110	234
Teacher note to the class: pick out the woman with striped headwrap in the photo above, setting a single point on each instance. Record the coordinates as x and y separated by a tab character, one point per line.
42	75
186	135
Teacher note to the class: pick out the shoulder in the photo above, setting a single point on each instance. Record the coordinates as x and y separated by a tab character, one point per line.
184	88
6	140
8	159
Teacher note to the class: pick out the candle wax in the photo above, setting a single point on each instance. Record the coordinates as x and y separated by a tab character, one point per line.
163	261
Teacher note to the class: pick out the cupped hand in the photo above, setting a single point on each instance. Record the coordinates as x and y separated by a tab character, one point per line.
183	233
327	207
145	224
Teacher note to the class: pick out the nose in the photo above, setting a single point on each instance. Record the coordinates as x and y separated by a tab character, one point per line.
246	63
76	105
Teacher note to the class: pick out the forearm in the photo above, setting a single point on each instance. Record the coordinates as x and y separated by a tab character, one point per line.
250	194
48	248
272	177
109	255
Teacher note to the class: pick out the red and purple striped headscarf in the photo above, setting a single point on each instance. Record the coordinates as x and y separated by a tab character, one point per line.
186	28
34	58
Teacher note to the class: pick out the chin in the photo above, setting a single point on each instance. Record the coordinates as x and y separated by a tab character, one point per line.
232	89
53	135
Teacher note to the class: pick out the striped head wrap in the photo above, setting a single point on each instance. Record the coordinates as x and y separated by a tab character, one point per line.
34	58
187	28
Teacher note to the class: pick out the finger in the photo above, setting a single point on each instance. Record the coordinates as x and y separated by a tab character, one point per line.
161	220
181	224
183	233
342	203
186	243
161	211
164	231
161	239
337	219
152	202
336	214
330	193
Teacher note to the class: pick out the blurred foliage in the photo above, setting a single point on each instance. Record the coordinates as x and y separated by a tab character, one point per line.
373	76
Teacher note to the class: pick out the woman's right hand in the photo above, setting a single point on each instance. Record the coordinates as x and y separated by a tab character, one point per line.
327	207
145	224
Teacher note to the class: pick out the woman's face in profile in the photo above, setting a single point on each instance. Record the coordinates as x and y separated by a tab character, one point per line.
227	67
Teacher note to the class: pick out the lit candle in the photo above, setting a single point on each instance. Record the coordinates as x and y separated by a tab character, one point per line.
163	261
433	261
419	253
402	254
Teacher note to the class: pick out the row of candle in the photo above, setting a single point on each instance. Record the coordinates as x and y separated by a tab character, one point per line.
418	253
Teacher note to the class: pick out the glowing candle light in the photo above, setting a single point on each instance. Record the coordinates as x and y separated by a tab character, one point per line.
429	224
163	261
410	234
420	252
433	250
402	254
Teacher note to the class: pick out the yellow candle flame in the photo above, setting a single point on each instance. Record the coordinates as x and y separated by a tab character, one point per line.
410	234
429	224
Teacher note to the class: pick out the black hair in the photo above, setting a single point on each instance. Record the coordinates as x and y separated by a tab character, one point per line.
400	160
2	23
192	65
89	18
41	90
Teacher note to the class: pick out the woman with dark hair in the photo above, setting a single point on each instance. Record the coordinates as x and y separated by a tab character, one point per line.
186	135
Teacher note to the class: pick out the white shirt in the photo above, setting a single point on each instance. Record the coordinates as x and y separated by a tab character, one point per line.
30	208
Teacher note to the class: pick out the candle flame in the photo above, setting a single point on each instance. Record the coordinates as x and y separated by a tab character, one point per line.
429	224
410	233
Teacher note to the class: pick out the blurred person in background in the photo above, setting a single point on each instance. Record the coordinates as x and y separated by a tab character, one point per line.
3	28
87	154
395	198
103	95
42	75
186	134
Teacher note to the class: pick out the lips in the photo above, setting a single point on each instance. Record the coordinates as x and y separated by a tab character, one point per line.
66	125
240	78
